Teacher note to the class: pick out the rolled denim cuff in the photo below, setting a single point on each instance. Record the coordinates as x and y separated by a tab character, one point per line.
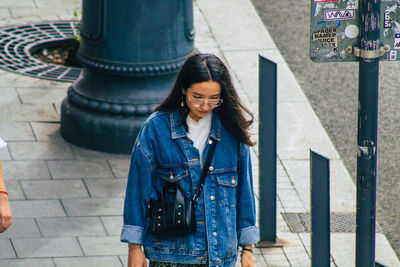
248	235
132	234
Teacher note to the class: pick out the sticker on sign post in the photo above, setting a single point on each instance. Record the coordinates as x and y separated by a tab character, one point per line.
326	38
396	44
387	22
338	14
351	31
393	55
335	30
352	4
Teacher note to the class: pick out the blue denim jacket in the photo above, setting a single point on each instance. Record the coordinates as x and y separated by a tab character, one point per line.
226	214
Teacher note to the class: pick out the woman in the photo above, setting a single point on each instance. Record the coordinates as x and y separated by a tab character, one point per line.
5	211
203	106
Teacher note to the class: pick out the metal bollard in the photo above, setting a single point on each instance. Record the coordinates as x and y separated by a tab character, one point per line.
320	211
267	151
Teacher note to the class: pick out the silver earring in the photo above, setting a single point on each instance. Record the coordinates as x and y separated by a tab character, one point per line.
182	104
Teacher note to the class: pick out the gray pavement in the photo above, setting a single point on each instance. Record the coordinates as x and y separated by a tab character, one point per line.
67	201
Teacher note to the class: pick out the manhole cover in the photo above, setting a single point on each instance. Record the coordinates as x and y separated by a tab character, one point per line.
340	222
17	44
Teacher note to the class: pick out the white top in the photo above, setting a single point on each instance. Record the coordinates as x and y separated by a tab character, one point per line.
198	132
2	143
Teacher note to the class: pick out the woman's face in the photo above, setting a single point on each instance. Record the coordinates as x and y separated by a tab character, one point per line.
202	97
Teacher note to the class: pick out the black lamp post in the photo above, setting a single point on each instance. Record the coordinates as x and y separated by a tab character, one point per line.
131	51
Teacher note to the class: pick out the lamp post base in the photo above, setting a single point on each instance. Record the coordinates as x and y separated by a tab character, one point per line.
101	132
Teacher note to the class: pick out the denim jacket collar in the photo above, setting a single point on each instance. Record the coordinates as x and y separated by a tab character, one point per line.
178	130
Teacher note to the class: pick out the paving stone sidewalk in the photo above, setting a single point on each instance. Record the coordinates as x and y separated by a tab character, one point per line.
67	201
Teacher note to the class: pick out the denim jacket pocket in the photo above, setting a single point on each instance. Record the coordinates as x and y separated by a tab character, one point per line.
227	182
179	175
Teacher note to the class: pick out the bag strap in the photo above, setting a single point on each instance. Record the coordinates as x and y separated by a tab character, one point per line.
204	171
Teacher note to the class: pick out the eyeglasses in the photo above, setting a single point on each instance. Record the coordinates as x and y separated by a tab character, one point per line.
199	102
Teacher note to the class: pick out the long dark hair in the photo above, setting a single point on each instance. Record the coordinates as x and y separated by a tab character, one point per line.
207	67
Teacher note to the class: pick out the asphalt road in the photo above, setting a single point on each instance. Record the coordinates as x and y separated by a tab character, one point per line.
332	89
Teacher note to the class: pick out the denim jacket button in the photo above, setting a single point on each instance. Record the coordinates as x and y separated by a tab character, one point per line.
211	168
215	234
212	197
210	142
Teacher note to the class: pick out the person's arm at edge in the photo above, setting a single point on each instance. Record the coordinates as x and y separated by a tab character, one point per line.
5	211
246	256
138	194
136	257
248	233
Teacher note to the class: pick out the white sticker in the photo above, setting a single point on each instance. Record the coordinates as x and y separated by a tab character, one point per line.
396	44
338	14
352	4
393	55
319	7
387	21
351	31
391	9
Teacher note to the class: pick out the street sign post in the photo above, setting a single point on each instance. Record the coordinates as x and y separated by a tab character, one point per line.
366	31
367	132
336	30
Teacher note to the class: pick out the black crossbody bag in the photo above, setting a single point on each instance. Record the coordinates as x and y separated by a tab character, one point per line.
174	214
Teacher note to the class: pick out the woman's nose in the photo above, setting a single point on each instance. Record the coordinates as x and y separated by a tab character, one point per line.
205	105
